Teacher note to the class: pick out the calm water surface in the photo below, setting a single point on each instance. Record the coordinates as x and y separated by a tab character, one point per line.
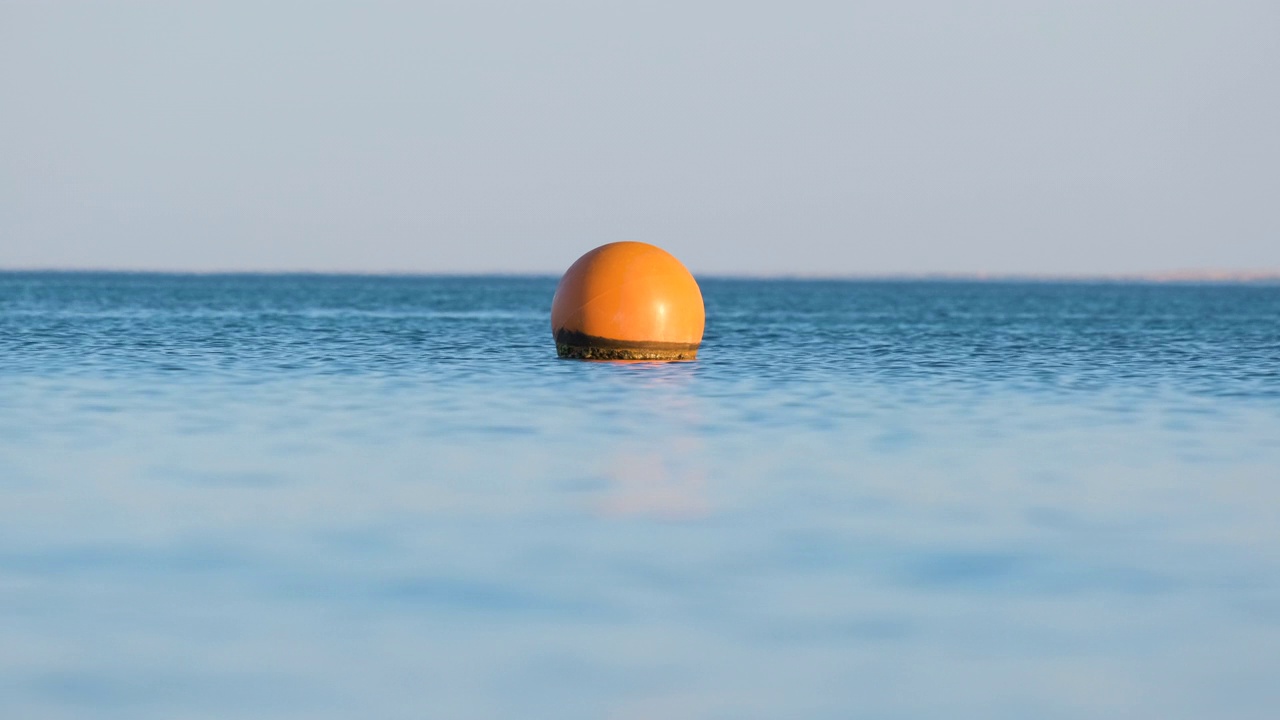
338	497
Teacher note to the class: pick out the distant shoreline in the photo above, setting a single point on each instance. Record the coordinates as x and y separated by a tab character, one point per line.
1175	277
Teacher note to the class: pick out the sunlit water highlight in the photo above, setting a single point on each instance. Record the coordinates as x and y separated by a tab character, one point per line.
336	497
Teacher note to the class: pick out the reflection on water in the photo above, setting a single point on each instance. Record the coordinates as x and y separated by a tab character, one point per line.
336	497
658	484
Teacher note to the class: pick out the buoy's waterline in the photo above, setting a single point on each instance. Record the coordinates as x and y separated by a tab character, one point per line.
627	301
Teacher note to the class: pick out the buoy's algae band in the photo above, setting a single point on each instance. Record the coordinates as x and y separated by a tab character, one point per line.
627	301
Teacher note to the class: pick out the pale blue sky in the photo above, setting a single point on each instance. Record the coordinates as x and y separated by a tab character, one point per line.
780	138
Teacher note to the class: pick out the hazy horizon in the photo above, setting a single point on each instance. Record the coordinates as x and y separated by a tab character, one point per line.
1209	277
825	139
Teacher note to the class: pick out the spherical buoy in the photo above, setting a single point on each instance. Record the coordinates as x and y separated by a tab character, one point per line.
627	301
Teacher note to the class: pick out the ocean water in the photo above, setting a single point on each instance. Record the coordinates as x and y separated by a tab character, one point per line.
336	497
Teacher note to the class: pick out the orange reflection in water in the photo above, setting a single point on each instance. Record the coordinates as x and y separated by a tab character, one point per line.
668	485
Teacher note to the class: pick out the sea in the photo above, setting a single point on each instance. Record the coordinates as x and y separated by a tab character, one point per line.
315	496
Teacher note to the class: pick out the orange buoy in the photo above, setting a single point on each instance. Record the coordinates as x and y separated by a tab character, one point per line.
627	301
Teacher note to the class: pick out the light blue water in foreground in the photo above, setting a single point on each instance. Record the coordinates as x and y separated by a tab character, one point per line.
342	497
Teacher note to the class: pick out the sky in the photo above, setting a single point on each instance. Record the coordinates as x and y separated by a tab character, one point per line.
796	138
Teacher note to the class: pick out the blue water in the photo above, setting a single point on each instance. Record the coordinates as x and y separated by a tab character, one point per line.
337	497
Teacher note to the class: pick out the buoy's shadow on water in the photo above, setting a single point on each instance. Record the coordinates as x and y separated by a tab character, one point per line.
642	373
633	362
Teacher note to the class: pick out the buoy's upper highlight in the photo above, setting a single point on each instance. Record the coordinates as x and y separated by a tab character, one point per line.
628	301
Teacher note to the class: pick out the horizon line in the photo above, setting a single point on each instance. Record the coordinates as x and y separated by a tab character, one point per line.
1183	276
1173	276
